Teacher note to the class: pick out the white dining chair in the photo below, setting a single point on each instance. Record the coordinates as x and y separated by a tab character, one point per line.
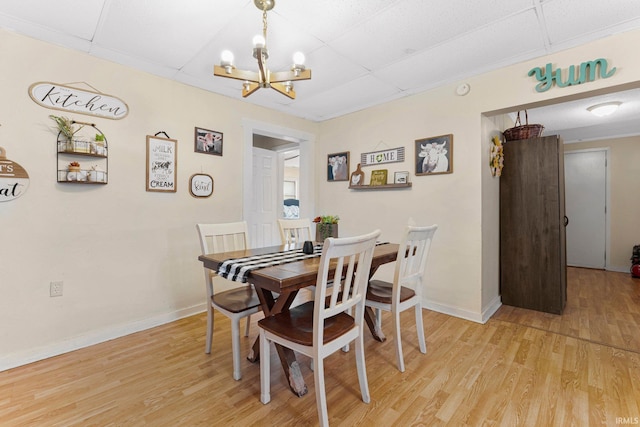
235	303
318	330
406	290
294	231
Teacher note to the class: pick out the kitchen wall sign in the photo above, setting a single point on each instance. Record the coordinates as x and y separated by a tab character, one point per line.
14	180
71	99
587	72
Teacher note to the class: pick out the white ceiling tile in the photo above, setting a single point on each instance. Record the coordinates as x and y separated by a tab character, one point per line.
483	49
571	19
329	68
133	61
327	19
39	32
58	15
349	97
389	35
162	31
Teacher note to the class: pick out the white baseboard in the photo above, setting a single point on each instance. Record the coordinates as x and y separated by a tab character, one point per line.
618	268
453	311
9	361
490	310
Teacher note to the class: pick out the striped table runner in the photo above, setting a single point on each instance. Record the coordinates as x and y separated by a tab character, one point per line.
237	269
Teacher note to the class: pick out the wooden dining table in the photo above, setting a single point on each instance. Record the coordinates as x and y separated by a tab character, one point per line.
277	287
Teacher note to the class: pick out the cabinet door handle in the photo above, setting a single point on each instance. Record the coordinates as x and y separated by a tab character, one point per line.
566	221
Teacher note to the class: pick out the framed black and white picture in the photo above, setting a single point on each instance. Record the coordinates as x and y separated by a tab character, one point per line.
162	164
434	155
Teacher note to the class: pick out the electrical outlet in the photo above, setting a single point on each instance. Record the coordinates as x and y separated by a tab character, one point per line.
55	288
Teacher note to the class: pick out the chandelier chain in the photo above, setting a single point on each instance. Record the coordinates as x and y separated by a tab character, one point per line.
264	22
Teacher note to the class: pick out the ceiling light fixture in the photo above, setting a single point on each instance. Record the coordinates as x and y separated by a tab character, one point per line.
280	81
604	109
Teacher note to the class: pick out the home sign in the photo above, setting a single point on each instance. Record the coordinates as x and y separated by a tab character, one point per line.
587	72
394	155
14	180
67	98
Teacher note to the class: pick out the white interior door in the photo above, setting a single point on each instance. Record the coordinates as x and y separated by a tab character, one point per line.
264	207
586	205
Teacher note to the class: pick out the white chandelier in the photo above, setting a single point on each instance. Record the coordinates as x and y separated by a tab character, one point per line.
281	81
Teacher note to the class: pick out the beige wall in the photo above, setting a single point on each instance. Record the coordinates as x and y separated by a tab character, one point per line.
624	210
128	257
463	268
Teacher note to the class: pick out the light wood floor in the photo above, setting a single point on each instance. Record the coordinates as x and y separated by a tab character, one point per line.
602	307
512	371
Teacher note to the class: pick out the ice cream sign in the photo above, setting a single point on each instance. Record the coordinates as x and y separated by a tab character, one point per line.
14	180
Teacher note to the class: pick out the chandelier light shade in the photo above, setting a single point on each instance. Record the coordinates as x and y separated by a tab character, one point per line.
604	109
281	81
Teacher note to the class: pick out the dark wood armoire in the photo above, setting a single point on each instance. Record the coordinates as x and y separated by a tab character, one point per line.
533	271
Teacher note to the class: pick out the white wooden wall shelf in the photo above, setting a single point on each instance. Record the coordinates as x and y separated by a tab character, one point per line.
380	187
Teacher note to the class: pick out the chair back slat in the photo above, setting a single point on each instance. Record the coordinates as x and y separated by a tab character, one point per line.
351	258
231	236
412	258
226	237
294	231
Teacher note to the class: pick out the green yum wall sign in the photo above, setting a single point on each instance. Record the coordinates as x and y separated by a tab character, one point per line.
586	72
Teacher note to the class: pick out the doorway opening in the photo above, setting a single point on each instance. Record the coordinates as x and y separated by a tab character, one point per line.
589	289
278	161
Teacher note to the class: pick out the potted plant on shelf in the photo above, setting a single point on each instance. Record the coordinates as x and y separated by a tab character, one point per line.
67	128
326	226
74	167
74	173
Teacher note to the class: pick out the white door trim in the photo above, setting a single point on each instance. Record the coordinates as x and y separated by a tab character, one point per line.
306	143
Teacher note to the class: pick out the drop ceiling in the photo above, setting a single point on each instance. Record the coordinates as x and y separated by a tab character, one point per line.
361	52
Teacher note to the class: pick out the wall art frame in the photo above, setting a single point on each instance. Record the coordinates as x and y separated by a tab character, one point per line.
207	141
338	166
378	177
434	155
201	185
162	164
401	177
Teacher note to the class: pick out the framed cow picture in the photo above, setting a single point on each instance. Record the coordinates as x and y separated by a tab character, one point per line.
434	155
162	164
338	166
208	141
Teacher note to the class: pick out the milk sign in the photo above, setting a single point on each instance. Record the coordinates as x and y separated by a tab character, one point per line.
14	180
